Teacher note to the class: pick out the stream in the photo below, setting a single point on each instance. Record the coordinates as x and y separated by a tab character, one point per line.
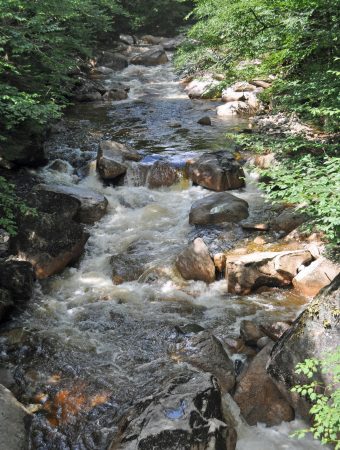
85	350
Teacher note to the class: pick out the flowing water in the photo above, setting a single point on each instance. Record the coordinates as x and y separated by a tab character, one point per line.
85	350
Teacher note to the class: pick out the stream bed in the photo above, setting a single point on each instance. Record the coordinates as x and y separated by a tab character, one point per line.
85	350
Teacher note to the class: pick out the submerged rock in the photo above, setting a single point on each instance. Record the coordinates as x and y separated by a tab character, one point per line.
152	57
218	208
15	421
195	263
187	414
112	159
248	272
204	121
89	208
259	399
314	333
218	171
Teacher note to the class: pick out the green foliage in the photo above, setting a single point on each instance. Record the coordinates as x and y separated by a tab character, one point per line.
10	206
296	40
325	410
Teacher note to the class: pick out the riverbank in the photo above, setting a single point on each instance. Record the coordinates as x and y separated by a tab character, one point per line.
119	346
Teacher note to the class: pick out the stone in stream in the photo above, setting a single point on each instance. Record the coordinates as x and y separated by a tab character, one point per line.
114	61
195	263
218	171
289	220
205	352
90	91
186	414
259	399
316	276
18	278
15	421
232	109
161	174
90	206
112	159
152	57
313	334
48	241
218	208
127	39
201	88
250	332
246	273
204	121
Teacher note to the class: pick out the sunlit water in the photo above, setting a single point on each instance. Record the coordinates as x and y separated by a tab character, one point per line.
86	349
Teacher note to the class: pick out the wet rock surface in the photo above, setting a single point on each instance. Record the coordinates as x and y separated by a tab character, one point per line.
218	208
18	278
218	171
161	174
112	159
151	57
195	262
186	415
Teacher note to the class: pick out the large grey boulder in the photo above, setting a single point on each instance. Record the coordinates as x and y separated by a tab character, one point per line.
152	57
114	61
89	207
186	415
218	208
112	158
259	399
245	273
218	171
314	333
15	421
195	263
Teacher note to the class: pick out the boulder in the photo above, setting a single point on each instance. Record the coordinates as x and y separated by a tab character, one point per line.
218	171
259	399
49	242
18	278
204	121
126	39
111	159
131	264
4	242
243	86
161	174
6	304
114	61
229	95
204	88
250	332
15	421
314	333
89	207
187	414
153	57
289	220
316	276
205	352
218	208
232	109
90	91
152	40
195	263
246	273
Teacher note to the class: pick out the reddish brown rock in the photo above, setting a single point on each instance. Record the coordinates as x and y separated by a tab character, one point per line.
316	276
259	399
195	263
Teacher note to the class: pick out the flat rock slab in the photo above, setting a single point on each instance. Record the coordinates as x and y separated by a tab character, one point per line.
195	262
218	171
248	272
111	159
14	422
92	206
187	414
218	208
